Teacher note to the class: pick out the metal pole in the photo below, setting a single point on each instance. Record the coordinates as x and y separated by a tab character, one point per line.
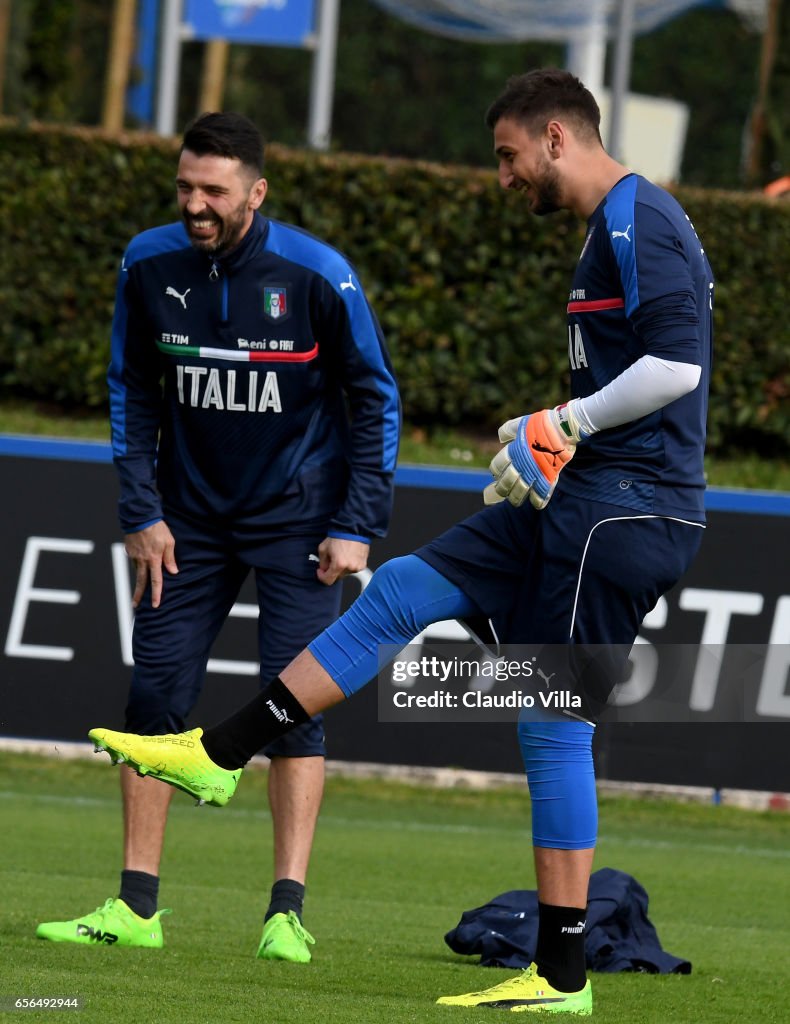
622	77
586	54
169	68
322	85
121	40
5	26
212	86
758	127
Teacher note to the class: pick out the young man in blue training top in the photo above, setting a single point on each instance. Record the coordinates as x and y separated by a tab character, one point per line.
255	424
603	512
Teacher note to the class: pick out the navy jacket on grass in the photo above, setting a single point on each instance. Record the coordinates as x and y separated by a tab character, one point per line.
618	936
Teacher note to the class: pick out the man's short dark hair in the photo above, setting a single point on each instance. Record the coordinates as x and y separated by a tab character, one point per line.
226	134
534	98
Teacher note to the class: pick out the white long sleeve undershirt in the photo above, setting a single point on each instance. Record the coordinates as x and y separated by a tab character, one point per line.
648	384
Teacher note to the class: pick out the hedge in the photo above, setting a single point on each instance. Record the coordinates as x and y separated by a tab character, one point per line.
469	287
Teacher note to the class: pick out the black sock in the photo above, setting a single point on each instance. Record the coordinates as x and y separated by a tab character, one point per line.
274	712
560	953
286	895
140	892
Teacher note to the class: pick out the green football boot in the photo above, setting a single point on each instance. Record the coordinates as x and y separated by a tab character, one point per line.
285	938
114	924
177	758
528	992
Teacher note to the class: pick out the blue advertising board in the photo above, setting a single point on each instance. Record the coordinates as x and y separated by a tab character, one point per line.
272	22
66	626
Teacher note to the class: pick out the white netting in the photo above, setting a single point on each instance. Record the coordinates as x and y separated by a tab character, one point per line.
755	12
557	20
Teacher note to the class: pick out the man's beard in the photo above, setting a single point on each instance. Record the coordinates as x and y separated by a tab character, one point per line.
547	192
228	231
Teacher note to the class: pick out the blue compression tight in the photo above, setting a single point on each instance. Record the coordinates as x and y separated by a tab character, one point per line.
559	765
403	597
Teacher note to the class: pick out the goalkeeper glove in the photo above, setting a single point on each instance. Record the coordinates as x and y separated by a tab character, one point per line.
540	445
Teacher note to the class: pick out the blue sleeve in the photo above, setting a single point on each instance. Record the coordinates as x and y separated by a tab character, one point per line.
375	415
652	257
134	380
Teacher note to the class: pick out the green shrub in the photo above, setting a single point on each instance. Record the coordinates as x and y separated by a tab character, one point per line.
470	289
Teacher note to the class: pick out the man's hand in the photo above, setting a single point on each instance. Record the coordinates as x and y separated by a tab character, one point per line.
339	558
151	549
540	445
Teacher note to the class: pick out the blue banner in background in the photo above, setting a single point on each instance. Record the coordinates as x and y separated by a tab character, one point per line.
272	22
140	95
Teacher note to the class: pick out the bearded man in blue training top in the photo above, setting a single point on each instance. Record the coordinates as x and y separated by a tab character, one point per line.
255	424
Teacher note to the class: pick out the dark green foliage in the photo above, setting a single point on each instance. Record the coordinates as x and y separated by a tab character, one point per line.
49	76
706	58
470	289
401	92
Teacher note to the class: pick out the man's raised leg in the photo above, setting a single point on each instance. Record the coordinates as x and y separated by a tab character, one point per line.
404	596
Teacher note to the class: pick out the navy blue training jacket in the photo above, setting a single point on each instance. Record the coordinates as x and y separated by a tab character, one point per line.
618	936
251	390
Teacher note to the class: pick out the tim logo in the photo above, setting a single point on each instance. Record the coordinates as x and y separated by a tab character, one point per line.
275	303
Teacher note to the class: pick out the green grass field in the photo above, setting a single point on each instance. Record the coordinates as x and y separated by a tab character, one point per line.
418	446
393	868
